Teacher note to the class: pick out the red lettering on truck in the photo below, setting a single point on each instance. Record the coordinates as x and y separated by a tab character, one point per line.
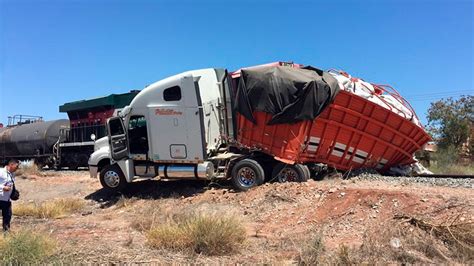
160	111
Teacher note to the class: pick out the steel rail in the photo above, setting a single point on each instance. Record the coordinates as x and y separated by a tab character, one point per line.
443	176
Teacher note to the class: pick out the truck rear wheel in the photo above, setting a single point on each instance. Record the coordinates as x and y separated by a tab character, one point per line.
246	174
291	173
112	178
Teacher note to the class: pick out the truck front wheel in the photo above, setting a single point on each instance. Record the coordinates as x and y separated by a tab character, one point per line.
291	173
112	178
246	174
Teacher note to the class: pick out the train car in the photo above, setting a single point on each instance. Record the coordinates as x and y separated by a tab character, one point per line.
32	140
87	123
61	143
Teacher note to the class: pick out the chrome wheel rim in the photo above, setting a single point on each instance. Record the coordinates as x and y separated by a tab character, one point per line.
112	179
287	174
246	177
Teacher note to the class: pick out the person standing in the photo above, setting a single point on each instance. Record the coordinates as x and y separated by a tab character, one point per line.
7	179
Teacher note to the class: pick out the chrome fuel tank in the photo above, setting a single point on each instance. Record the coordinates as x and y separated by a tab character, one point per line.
201	171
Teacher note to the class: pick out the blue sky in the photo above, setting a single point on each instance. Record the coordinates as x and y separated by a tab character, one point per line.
53	52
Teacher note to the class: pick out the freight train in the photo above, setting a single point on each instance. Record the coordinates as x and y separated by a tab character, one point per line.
61	143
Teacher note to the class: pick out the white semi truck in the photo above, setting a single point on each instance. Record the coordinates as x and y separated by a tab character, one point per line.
271	122
182	127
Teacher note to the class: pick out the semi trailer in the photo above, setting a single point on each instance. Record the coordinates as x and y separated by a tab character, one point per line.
279	121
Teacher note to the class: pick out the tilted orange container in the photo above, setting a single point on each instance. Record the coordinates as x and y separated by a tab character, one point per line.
352	132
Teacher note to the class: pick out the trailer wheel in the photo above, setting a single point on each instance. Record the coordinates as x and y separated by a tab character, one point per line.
112	178
291	173
246	174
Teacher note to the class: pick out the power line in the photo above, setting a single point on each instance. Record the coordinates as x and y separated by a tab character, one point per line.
424	100
444	92
441	93
436	96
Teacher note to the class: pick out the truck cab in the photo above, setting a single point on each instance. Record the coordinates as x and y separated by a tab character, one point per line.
185	127
169	130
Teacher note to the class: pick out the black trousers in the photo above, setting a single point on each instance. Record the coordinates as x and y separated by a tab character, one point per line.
6	207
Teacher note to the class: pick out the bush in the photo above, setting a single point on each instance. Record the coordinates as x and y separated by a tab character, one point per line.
450	121
446	156
199	233
50	209
446	161
344	256
25	247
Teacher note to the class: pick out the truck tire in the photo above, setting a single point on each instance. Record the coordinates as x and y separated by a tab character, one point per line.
112	179
246	174
308	172
291	173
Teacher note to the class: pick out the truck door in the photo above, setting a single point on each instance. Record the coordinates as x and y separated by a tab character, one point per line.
117	138
176	124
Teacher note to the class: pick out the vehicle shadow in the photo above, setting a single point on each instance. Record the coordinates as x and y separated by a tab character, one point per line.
154	189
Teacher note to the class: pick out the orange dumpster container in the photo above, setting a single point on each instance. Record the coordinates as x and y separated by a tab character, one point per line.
352	132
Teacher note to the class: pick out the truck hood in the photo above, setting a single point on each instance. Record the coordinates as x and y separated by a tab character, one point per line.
101	151
100	143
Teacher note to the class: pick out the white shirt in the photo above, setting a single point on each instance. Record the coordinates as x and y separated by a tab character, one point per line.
6	178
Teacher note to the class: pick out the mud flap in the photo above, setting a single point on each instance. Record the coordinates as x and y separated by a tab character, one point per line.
127	169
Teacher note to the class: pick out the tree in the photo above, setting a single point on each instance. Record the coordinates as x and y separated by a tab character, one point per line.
450	121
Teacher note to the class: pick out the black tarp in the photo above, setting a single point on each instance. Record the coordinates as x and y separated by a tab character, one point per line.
289	94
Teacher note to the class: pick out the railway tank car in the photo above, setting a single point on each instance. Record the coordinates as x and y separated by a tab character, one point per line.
61	143
31	141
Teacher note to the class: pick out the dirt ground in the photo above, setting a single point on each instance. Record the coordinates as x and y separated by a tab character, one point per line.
279	218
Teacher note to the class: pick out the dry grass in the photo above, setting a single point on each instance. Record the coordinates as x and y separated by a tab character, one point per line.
31	170
51	209
26	247
402	240
344	256
314	251
448	161
209	234
419	241
453	169
27	170
124	202
445	241
148	216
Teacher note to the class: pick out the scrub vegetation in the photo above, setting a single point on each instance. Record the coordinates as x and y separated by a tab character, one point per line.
201	233
26	247
50	209
403	239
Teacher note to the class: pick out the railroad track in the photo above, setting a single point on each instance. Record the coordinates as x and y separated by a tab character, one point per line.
444	176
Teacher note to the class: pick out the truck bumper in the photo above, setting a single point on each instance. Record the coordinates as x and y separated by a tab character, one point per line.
93	171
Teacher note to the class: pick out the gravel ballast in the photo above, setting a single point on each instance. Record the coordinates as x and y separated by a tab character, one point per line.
434	181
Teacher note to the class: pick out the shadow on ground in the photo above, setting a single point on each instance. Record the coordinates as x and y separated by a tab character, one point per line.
154	189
